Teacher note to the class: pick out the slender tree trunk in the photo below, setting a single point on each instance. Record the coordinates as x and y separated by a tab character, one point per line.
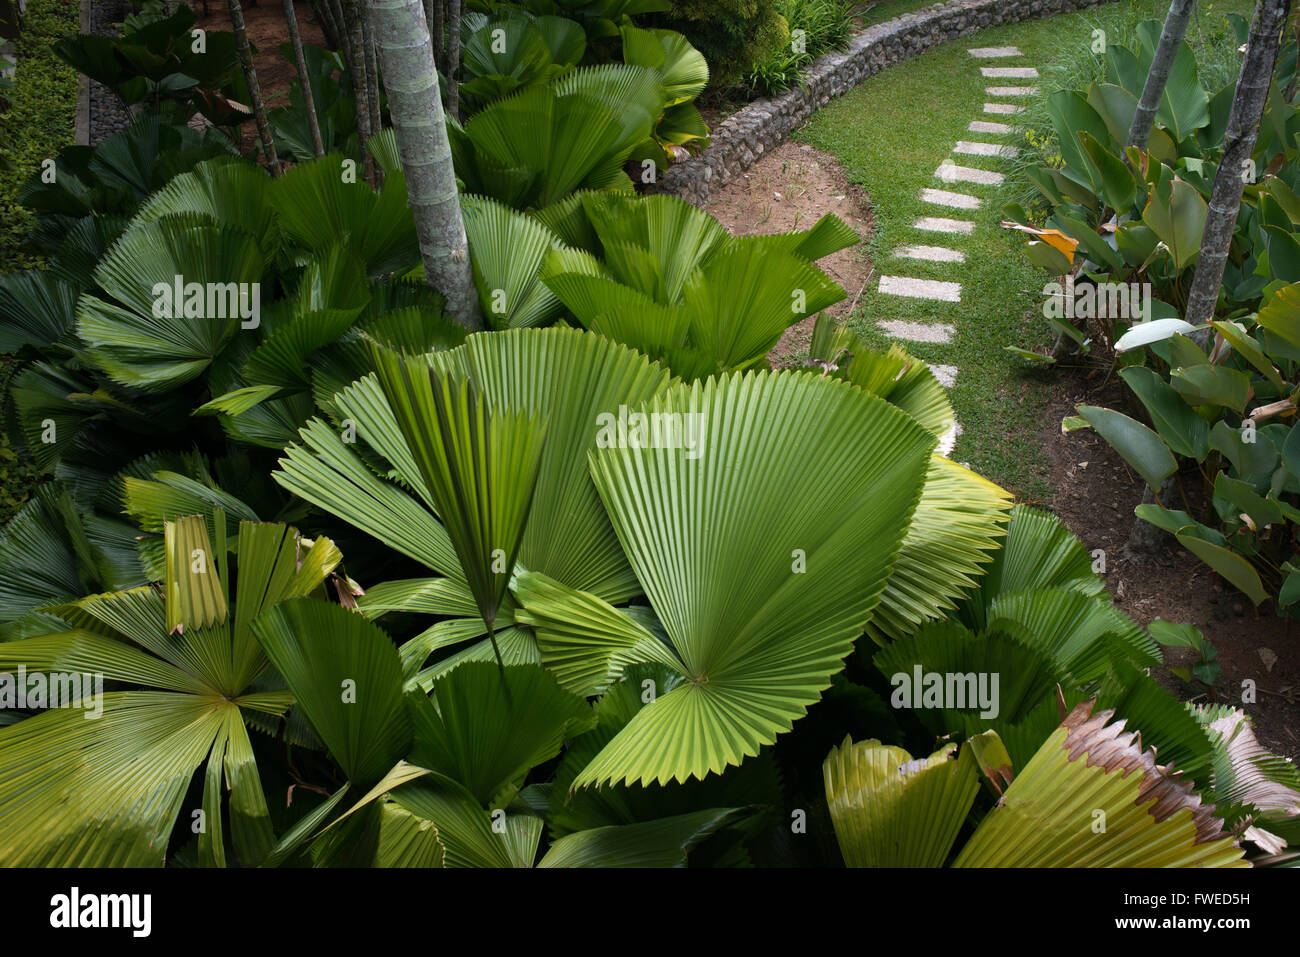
372	76
254	90
1171	40
328	24
356	47
291	19
1243	127
433	17
453	57
414	103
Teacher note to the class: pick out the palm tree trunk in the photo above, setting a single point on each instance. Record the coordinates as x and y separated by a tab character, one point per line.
414	103
1171	40
453	57
1243	127
254	89
356	56
291	19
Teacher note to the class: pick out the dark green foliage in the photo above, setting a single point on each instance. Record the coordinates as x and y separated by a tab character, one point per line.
733	35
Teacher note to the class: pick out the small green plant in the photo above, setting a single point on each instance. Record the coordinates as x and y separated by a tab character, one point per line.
1182	635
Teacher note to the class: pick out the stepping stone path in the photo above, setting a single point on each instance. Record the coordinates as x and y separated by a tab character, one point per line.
934	254
980	126
941	197
940	290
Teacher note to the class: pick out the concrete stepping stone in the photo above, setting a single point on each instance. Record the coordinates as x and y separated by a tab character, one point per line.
1009	72
987	53
937	332
920	288
948	441
951	173
980	126
938	224
1003	108
934	254
1011	90
941	197
984	149
947	375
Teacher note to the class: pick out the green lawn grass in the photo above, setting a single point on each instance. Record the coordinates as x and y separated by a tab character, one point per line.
38	123
891	133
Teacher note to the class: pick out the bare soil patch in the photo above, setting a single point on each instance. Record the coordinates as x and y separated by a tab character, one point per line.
1095	497
792	187
267	29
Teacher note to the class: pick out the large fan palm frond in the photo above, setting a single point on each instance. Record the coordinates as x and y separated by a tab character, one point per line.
760	586
107	792
1092	797
143	337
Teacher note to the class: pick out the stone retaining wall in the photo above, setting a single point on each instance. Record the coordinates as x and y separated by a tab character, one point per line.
743	137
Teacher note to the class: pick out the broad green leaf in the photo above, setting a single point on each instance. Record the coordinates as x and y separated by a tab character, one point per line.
490	729
1140	447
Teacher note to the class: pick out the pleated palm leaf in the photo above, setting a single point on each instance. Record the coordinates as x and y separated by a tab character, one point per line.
440	771
51	551
480	464
316	205
137	332
564	376
1089	797
506	250
754	784
501	56
675	285
1042	582
761	570
536	146
959	521
684	73
107	792
1257	792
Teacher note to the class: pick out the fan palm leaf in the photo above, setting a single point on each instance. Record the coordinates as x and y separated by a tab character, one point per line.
760	587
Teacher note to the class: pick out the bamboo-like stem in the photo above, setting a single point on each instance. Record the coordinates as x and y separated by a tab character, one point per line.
1171	41
453	57
254	89
308	98
356	56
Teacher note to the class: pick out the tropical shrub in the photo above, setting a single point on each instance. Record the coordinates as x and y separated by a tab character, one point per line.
816	27
156	60
732	34
615	584
1120	218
